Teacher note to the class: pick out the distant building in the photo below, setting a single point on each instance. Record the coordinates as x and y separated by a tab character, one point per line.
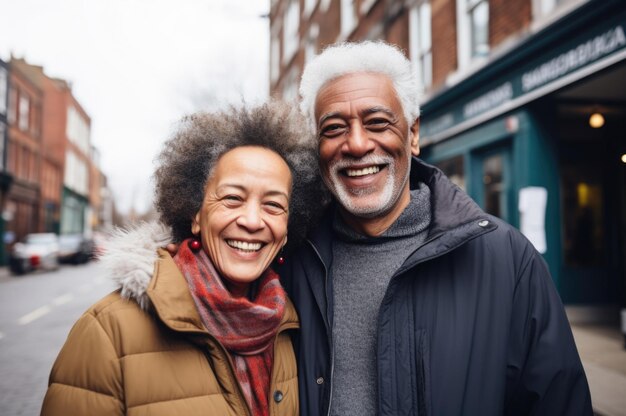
100	197
24	145
5	178
510	87
69	180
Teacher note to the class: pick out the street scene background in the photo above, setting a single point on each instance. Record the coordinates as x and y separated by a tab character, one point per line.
523	108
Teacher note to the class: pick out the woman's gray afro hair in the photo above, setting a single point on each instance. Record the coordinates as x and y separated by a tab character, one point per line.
360	57
188	158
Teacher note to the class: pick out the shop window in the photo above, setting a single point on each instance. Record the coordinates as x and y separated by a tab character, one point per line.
420	45
493	185
583	209
455	170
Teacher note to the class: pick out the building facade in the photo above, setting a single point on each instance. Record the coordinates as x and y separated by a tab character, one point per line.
5	178
24	143
67	178
524	107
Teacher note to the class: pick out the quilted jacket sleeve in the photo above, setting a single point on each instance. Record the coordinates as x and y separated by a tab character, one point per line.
544	374
86	377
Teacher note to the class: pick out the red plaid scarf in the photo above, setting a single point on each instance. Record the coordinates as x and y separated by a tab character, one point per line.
245	328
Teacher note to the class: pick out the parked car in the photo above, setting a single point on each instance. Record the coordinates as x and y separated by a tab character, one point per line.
75	248
39	251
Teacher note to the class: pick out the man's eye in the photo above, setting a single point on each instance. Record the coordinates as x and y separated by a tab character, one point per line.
332	130
377	123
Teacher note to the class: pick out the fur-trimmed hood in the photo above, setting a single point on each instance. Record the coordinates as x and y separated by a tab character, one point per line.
129	257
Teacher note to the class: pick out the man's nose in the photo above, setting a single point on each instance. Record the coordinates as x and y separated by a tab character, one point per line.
251	218
357	142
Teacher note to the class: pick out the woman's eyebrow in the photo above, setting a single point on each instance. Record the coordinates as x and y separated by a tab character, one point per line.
244	189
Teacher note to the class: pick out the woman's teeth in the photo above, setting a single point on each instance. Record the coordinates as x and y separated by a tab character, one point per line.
362	172
243	245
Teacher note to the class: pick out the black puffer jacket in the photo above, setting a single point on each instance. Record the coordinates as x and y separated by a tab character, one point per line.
471	324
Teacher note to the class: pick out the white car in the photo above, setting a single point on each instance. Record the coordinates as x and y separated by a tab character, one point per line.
39	251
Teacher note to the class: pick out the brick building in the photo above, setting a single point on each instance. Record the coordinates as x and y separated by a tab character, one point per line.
24	146
64	179
6	178
510	88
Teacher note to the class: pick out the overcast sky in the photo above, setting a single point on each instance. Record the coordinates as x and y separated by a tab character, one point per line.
137	66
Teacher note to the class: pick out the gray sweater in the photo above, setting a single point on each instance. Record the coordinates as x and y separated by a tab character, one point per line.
361	270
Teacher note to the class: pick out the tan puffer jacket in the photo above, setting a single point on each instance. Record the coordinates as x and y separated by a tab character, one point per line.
124	359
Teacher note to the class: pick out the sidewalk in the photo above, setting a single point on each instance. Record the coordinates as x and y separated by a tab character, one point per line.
604	358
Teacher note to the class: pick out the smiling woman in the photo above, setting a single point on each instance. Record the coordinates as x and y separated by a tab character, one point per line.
208	332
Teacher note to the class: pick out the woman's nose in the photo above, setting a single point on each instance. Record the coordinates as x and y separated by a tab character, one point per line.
251	218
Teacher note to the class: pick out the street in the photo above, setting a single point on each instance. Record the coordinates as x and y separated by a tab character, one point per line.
36	313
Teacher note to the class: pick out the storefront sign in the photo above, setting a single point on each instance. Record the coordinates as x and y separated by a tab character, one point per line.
573	59
537	78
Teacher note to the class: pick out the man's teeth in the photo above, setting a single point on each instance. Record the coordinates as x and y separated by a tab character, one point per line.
243	245
362	172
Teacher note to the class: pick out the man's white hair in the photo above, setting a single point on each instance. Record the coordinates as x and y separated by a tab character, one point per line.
366	57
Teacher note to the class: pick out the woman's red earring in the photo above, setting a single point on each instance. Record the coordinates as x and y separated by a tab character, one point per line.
281	259
194	244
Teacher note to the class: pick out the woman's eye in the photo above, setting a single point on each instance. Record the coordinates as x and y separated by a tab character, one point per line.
232	198
275	206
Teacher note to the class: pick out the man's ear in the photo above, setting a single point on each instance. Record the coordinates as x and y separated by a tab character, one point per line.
195	224
415	137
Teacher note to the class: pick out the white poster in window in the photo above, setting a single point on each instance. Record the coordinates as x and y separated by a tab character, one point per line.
532	209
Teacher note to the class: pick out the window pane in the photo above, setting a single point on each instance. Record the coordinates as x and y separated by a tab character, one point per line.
427	69
24	107
424	27
547	6
3	90
480	29
493	185
454	170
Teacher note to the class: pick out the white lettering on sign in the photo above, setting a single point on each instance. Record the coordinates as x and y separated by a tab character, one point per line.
440	123
489	100
574	58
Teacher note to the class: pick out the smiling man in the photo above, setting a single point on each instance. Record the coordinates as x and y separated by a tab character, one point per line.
413	301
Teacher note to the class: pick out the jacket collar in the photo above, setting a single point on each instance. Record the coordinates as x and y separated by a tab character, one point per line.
147	274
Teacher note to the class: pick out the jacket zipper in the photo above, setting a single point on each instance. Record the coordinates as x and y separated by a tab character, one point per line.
331	344
400	271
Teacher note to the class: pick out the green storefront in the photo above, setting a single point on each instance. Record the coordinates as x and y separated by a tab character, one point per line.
73	212
517	137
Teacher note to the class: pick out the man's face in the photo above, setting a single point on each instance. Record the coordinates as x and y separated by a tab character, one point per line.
365	144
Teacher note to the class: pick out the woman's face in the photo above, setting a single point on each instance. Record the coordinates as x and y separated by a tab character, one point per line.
243	218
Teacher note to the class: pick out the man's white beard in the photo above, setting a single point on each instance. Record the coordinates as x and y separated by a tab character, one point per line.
349	198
